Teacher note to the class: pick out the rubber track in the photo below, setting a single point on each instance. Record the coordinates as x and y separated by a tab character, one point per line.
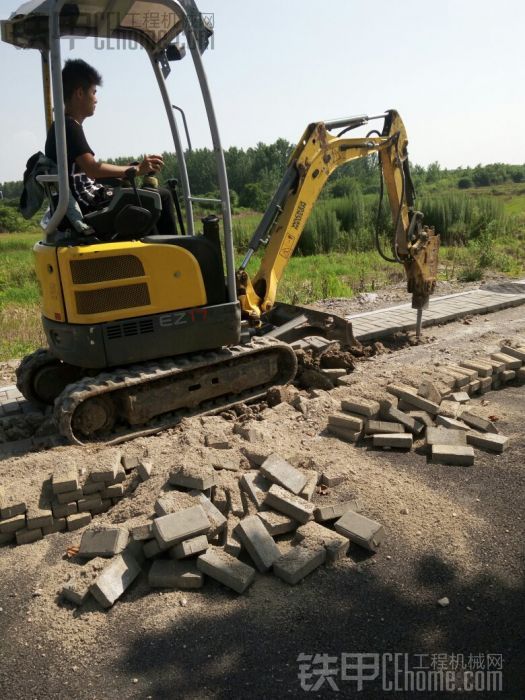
135	375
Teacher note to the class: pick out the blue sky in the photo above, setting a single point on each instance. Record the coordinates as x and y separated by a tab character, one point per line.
453	69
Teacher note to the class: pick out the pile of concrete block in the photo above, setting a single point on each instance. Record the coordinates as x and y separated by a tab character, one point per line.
436	410
70	502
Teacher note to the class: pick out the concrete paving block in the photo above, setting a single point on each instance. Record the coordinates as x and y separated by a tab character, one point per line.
277	523
343	433
190	548
76	590
250	433
485	384
363	531
130	462
347	422
401	441
445	436
214	515
509	361
278	471
91	487
462	455
172	501
478	423
152	549
220	499
6	538
113	491
115	578
256	486
469	372
289	504
312	479
144	470
235	498
38	517
423	418
363	407
496	382
488	441
258	542
473	387
520	375
484	369
107	466
199	477
408	395
142	533
171	529
451	409
10	525
333	475
65	480
335	511
334	373
518	353
77	521
314	533
26	536
183	575
69	496
300	561
58	525
12	505
497	366
85	505
407	421
103	542
428	390
452	423
508	375
228	570
460	396
120	477
381	426
460	380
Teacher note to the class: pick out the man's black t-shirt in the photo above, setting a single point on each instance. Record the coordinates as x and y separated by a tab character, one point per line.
85	190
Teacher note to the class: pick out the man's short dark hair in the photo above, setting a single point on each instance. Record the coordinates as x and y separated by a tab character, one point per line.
78	74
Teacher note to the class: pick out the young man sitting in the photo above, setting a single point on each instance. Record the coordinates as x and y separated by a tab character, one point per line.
80	82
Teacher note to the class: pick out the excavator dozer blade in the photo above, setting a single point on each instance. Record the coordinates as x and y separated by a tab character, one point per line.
291	323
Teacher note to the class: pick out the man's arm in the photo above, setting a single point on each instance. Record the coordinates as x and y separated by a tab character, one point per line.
98	170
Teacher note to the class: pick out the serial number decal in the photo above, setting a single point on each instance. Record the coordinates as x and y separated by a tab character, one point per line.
299	215
181	318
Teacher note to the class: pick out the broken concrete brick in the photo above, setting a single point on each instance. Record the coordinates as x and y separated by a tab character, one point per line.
399	440
144	470
91	487
85	505
235	499
333	475
255	457
38	518
406	393
488	441
483	369
315	534
450	409
11	525
103	542
277	523
300	561
111	583
113	491
65	480
130	462
423	418
58	525
141	533
256	486
343	433
478	423
183	575
460	396
201	478
250	433
452	423
407	421
462	455
518	353
335	511
12	506
172	501
26	536
76	590
224	568
445	436
258	542
312	479
69	496
152	549
279	471
381	426
107	466
171	529
347	422
214	515
75	522
428	390
289	504
509	361
189	548
508	376
363	407
363	531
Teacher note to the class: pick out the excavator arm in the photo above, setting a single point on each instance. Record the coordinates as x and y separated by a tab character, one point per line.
317	155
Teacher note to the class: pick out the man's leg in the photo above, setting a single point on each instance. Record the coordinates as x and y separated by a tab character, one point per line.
167	223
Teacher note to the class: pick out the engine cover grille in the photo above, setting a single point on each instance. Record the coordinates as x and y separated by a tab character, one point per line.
116	267
112	299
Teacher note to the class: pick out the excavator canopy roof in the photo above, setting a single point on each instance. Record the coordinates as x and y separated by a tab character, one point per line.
152	23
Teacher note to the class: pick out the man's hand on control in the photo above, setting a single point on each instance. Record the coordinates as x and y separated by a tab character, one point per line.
150	164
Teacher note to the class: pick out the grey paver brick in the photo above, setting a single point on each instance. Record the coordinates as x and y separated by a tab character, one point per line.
277	523
488	441
363	407
312	479
363	531
76	590
314	533
226	569
484	369
107	466
452	423
173	528
335	511
462	455
289	504
38	517
115	578
189	548
300	561
214	515
478	422
381	426
75	522
279	471
407	394
65	480
256	486
103	542
510	361
69	496
26	536
166	573
347	422
399	440
11	525
445	436
258	542
343	433
200	478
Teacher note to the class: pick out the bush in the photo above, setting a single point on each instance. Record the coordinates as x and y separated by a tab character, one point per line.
11	221
464	183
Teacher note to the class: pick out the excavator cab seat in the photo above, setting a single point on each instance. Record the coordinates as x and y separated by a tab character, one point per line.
124	218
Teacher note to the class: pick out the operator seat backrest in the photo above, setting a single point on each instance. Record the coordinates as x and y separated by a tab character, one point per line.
124	218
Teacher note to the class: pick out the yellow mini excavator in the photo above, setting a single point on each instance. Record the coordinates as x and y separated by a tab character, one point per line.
145	327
